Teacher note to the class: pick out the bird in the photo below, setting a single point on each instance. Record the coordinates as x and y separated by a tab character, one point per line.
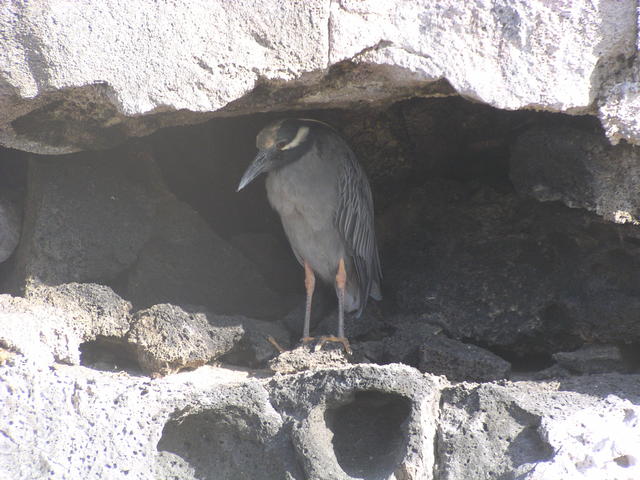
322	195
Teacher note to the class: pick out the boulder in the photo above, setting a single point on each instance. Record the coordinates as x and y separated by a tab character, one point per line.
508	273
579	168
107	217
539	431
186	263
52	324
87	216
458	361
78	79
166	338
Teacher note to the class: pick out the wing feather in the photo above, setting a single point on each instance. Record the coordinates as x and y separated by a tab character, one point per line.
355	222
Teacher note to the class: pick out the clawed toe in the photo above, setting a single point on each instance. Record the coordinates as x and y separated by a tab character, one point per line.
341	340
321	341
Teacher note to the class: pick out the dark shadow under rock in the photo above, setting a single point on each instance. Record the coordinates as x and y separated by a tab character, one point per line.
274	260
107	217
110	354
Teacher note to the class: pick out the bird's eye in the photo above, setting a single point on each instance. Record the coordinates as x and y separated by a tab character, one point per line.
281	144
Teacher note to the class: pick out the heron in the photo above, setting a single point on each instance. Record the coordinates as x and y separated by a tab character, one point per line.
323	197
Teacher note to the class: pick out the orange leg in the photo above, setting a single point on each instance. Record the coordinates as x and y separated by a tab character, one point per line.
341	283
310	285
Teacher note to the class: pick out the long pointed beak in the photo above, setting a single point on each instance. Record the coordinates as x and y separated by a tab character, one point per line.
257	167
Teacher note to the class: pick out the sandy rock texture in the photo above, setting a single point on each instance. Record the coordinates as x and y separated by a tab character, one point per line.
112	76
150	316
363	421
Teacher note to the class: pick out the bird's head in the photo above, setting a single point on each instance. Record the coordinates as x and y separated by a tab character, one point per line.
279	143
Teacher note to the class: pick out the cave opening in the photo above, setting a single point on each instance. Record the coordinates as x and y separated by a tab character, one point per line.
465	242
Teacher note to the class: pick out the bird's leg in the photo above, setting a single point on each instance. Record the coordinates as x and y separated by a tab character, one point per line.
341	283
310	284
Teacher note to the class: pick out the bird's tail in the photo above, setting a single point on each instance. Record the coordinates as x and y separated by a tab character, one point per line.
375	293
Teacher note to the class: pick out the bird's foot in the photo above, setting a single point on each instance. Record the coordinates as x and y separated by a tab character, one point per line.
321	341
329	338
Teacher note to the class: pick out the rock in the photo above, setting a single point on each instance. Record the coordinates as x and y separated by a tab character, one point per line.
360	422
10	225
538	431
108	217
92	310
409	334
580	169
591	359
66	418
186	263
260	340
305	358
238	435
52	324
421	38
38	332
363	421
419	342
166	338
550	373
459	361
86	90
87	216
619	104
513	274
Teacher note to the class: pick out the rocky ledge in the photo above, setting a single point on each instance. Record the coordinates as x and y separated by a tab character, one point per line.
150	316
78	404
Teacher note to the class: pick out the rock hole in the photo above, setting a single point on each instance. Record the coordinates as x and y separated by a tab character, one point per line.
214	445
369	440
109	354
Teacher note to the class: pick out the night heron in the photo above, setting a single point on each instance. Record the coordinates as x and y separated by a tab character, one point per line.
324	200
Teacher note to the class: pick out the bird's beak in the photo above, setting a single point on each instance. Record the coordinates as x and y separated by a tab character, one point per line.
258	166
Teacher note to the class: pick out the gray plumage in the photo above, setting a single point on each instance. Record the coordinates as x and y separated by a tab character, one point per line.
324	200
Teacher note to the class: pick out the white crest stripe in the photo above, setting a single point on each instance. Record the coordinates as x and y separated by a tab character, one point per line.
298	139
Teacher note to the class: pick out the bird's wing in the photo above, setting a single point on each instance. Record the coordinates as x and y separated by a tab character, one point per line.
354	219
